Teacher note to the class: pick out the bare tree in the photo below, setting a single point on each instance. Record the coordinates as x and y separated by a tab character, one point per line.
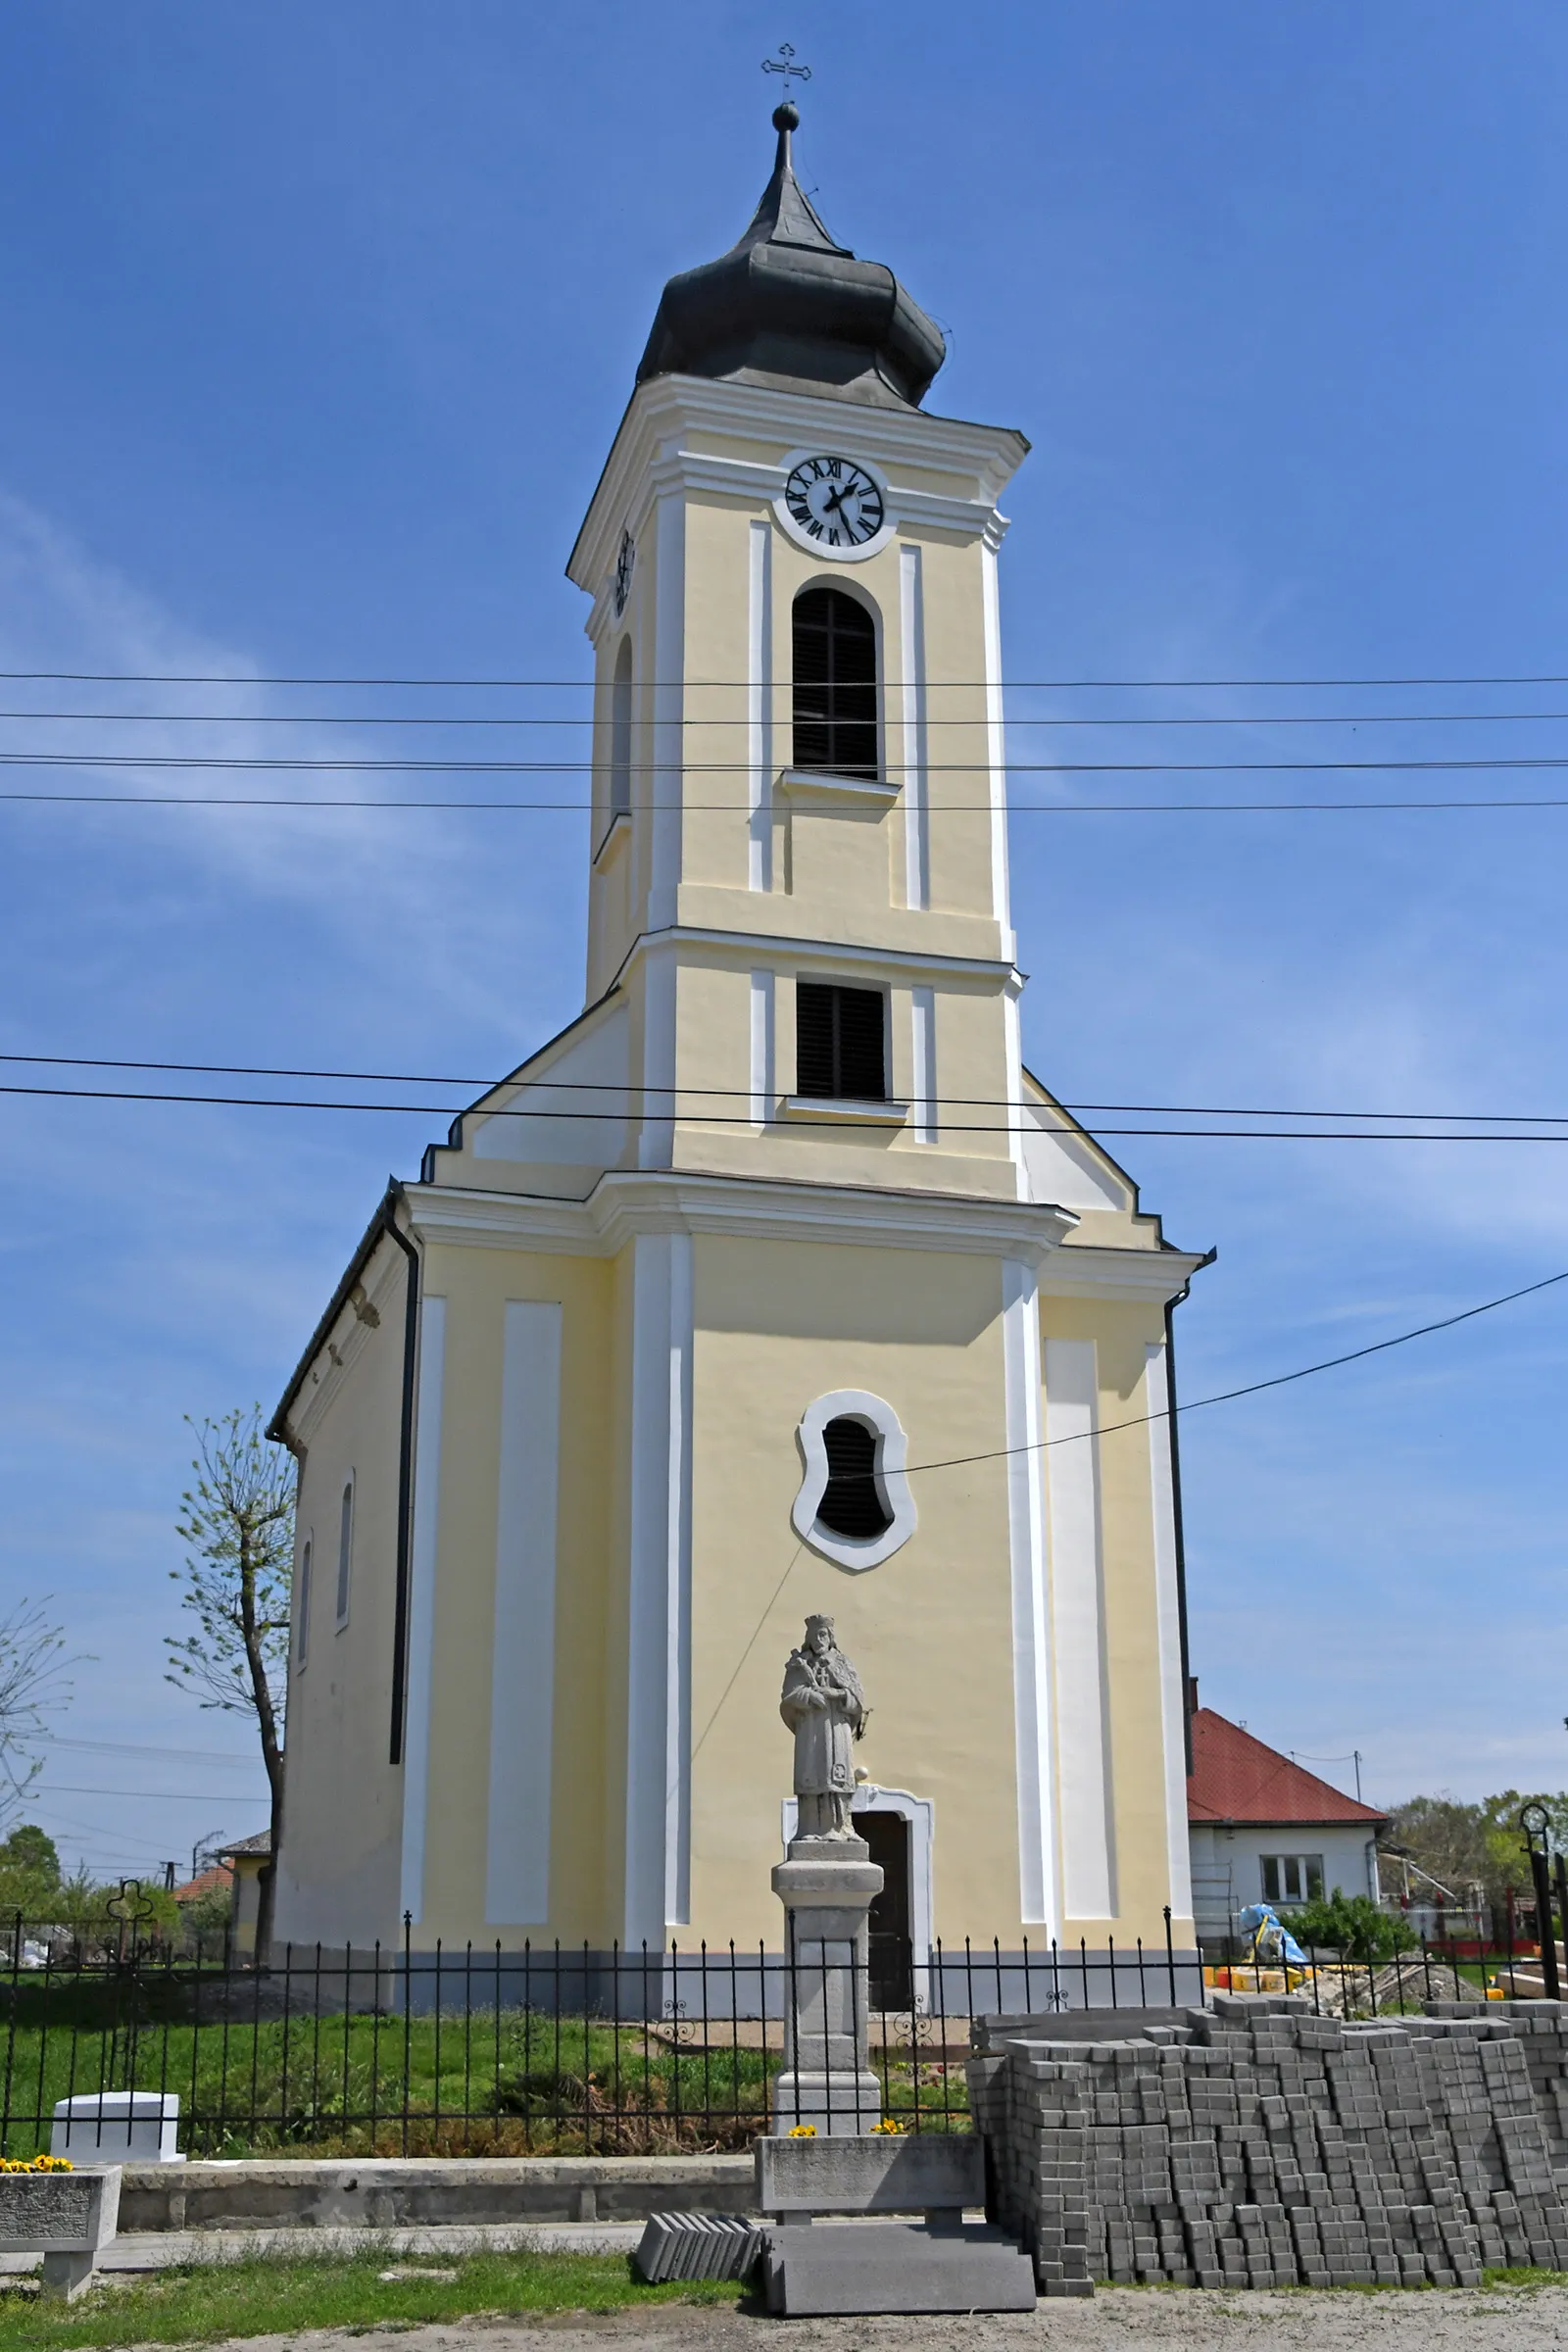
238	1521
32	1683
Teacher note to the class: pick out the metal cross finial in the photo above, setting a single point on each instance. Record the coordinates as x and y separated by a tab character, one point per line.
785	63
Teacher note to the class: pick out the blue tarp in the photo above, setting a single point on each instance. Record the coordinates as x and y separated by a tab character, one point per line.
1271	1943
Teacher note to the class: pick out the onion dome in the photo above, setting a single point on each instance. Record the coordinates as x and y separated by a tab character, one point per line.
787	306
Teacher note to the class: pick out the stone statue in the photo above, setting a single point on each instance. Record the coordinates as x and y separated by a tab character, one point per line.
824	1706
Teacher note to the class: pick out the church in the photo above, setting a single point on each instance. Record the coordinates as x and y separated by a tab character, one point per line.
774	1286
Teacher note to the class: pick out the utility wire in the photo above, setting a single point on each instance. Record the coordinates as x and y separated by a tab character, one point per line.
732	808
1253	1388
584	718
165	677
644	1087
313	764
794	1120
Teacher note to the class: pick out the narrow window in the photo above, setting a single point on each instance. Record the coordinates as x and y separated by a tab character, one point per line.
620	734
345	1549
839	1045
852	1502
1271	1877
835	684
1313	1864
302	1638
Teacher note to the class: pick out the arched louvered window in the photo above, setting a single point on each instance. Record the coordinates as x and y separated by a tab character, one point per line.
835	684
620	734
852	1502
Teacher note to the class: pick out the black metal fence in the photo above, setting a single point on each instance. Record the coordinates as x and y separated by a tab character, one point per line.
562	2050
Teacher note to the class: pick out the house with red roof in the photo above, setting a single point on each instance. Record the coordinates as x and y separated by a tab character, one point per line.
1262	1830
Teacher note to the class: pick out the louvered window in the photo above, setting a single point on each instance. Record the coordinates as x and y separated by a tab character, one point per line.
835	684
620	734
852	1502
345	1552
839	1048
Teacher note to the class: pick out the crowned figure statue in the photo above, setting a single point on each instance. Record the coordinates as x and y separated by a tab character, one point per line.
824	1706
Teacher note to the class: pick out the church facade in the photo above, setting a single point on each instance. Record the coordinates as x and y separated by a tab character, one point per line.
774	1285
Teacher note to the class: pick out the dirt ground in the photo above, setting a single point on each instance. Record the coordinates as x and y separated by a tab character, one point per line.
1457	2320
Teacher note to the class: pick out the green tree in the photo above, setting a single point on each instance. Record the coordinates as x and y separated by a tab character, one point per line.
1463	1845
1352	1925
238	1523
29	1872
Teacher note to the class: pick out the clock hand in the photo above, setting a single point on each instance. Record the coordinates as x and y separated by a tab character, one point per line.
836	499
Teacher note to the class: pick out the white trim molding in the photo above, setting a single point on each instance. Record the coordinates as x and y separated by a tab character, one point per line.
911	634
1038	1899
761	1045
855	1553
422	1561
1078	1629
760	707
1168	1619
657	1850
923	1061
523	1673
814	783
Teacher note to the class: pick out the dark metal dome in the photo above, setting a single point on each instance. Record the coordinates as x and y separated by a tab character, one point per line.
787	306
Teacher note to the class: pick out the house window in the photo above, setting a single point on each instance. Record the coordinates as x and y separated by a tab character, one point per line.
620	734
345	1552
835	684
840	1045
1292	1878
302	1621
852	1502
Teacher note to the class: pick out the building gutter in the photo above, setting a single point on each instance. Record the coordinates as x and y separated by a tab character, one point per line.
405	1545
1171	1304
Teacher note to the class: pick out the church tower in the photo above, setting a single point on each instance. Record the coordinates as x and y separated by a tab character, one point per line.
772	1285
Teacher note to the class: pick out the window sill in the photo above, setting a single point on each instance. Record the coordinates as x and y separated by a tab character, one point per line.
844	1110
616	834
814	783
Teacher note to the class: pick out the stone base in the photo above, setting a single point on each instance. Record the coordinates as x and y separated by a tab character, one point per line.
845	2104
66	2276
859	2268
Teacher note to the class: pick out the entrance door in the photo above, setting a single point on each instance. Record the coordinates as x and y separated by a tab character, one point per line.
892	1974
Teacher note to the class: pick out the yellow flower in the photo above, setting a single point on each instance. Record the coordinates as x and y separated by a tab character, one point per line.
889	2127
803	2131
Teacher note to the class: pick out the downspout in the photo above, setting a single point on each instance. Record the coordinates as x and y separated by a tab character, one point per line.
405	1544
1171	1304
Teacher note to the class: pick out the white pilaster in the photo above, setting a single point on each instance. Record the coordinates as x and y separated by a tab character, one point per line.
1039	1903
760	709
923	1055
995	749
658	1662
763	1086
664	786
1167	1606
916	828
1078	1629
422	1557
523	1673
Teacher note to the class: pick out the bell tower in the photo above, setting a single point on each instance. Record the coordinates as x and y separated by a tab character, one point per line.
799	811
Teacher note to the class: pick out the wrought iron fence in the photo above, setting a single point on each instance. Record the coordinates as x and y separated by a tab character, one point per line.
558	2050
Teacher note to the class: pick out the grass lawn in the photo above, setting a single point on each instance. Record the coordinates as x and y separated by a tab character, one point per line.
492	2082
205	2302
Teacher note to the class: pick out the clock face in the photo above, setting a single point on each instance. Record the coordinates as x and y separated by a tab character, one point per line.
623	570
834	502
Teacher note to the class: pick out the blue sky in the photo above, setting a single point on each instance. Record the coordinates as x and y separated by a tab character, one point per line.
319	324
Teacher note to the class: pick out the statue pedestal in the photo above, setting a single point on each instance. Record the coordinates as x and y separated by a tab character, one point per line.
826	1889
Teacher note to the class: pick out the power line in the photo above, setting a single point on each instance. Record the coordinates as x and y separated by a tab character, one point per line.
319	765
118	1747
170	1796
1253	1388
165	677
796	1121
733	809
645	1087
584	719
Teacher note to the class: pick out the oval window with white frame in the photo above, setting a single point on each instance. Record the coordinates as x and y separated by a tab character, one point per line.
835	504
855	1506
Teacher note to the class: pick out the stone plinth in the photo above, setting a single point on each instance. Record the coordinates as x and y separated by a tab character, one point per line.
826	1888
66	2217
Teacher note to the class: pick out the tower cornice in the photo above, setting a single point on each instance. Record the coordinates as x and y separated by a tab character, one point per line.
652	457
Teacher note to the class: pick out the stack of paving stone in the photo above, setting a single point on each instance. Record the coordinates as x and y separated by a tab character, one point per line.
1258	2145
697	2245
